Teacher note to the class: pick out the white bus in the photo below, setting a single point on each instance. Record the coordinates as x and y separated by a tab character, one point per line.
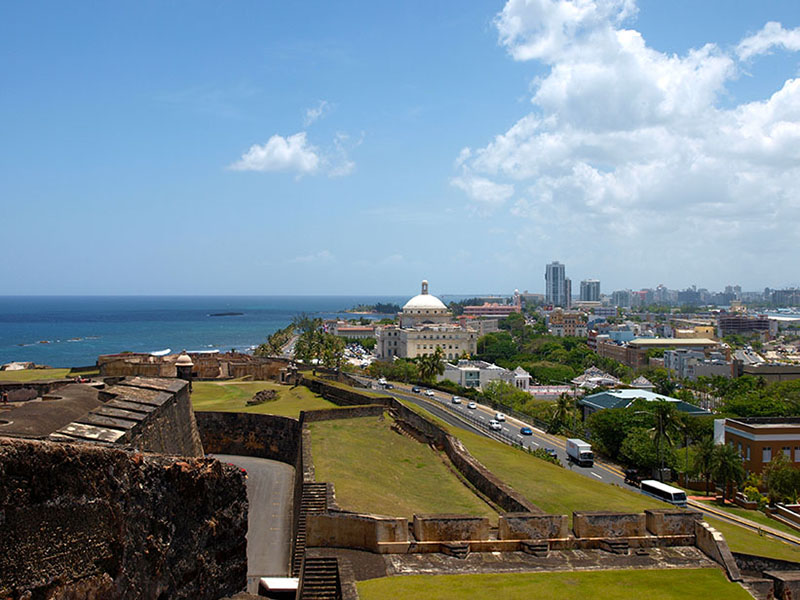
664	492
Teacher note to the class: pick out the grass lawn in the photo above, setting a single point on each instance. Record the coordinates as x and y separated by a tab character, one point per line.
669	584
552	488
753	515
376	470
37	374
232	397
743	540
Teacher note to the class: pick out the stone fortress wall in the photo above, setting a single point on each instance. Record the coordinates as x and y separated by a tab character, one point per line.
81	520
226	365
117	503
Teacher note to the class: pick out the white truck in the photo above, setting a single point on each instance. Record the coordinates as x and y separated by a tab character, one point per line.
580	452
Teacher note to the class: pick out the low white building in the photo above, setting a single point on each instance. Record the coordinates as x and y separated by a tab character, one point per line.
478	373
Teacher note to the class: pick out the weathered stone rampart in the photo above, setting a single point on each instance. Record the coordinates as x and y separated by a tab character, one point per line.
149	414
344	412
91	521
532	526
608	524
262	436
713	545
672	521
352	530
450	527
206	366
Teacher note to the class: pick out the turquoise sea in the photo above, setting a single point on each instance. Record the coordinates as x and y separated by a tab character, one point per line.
69	331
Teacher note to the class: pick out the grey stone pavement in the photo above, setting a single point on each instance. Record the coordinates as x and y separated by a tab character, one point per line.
269	492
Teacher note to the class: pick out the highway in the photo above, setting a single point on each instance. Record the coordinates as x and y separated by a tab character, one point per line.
458	415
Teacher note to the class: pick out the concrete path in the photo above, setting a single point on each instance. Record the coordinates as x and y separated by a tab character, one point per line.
270	487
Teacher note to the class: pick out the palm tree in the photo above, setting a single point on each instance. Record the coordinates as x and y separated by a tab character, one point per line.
667	425
704	459
561	412
431	365
728	468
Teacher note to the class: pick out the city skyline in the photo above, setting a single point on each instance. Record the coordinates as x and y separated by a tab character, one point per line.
261	148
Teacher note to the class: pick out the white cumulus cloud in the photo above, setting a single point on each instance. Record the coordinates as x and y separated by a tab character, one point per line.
291	153
635	141
771	35
483	191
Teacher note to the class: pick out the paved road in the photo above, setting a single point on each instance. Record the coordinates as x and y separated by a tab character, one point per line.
270	486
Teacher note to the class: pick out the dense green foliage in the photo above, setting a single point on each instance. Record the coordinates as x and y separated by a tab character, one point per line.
781	480
549	359
275	342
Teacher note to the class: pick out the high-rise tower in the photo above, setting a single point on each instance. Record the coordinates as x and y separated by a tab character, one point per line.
554	276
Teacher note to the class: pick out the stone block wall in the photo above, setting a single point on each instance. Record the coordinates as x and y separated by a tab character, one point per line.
670	521
433	528
713	545
608	524
263	436
88	521
532	526
345	412
351	530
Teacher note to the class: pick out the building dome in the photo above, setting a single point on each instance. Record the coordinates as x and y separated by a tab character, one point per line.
184	360
424	301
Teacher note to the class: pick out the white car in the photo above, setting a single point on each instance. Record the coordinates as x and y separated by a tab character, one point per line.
495	425
456	400
472	405
429	393
499	417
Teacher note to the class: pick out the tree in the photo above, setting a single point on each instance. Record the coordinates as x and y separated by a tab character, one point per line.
728	469
666	427
562	413
781	479
431	365
609	429
309	344
637	450
332	351
704	459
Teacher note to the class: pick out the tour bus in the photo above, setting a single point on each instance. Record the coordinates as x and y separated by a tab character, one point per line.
664	492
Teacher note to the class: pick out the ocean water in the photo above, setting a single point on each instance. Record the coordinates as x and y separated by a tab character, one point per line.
68	331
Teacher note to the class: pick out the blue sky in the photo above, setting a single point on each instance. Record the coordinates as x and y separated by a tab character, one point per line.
270	148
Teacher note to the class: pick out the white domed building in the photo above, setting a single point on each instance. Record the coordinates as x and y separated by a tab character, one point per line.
424	309
425	324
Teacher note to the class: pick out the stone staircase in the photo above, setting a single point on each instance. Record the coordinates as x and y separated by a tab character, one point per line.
312	501
320	579
455	549
615	546
540	549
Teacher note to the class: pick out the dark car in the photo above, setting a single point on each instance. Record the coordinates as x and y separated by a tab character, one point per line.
416	390
526	431
632	477
388	386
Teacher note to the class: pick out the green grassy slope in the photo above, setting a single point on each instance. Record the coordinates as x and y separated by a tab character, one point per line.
376	470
